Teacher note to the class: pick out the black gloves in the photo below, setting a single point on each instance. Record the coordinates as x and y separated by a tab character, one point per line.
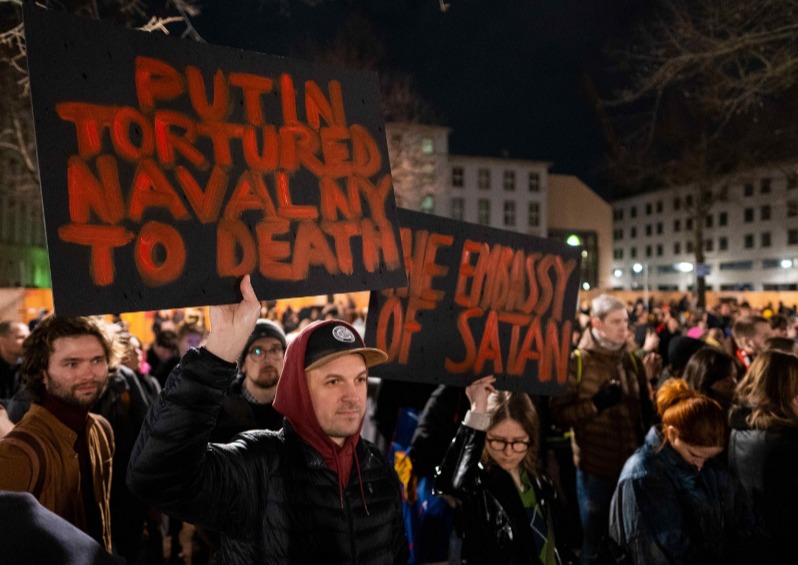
608	396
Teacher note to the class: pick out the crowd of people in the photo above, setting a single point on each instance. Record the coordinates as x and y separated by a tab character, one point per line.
675	442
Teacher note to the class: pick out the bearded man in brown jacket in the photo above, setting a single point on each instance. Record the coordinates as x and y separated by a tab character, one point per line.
59	452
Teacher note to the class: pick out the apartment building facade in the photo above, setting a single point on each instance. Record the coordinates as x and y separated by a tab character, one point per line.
750	236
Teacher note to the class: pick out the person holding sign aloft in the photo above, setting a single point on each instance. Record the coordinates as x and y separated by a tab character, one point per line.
508	508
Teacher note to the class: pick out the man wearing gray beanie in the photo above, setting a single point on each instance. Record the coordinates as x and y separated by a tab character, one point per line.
248	403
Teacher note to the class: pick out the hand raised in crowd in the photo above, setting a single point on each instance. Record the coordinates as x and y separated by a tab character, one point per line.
232	324
608	396
478	392
652	363
652	341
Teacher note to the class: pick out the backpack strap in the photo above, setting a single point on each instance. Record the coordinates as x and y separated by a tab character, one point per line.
30	445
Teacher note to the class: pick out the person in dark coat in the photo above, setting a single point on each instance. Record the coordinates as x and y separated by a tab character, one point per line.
314	492
676	502
763	450
507	506
248	404
32	535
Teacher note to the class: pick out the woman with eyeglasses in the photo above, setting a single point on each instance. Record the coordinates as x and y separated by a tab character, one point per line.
676	501
506	506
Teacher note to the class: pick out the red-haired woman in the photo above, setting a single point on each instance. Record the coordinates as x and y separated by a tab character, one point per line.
675	501
763	451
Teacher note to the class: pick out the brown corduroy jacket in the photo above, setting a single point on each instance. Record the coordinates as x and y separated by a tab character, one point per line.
602	442
38	457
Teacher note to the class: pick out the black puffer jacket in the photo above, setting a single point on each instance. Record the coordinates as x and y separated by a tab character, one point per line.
766	464
270	494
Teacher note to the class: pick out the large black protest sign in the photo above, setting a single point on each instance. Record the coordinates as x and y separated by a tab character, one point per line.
479	301
169	169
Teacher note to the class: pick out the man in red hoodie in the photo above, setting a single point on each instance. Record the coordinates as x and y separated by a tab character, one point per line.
313	492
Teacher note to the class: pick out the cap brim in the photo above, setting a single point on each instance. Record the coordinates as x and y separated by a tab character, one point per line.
371	355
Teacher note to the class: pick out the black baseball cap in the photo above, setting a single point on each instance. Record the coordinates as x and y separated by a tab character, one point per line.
330	341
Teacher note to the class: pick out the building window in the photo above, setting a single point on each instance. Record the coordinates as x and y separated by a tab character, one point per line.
427	145
659	228
648	229
509	213
648	209
677	203
483	211
534	182
659	250
748	242
648	251
659	206
792	208
764	185
509	180
723	219
484	179
457	176
765	239
709	245
792	237
688	224
677	225
633	231
723	244
765	212
792	181
688	200
617	253
534	214
677	248
689	246
748	189
428	204
748	215
709	221
617	215
633	252
457	209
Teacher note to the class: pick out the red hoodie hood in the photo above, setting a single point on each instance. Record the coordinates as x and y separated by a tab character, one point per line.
292	400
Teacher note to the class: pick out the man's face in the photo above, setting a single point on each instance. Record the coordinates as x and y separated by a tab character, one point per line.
761	334
613	327
11	344
338	393
77	373
263	362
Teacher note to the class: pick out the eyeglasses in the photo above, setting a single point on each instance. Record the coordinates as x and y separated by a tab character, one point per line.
501	444
258	353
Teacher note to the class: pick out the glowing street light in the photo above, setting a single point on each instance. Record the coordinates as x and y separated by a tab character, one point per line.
637	268
786	263
617	273
684	267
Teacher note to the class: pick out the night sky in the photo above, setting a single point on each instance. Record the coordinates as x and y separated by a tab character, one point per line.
510	77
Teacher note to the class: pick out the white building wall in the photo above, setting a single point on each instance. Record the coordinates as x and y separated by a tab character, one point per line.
467	185
748	234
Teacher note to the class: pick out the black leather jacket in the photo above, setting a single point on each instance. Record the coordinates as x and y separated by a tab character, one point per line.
494	522
270	494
